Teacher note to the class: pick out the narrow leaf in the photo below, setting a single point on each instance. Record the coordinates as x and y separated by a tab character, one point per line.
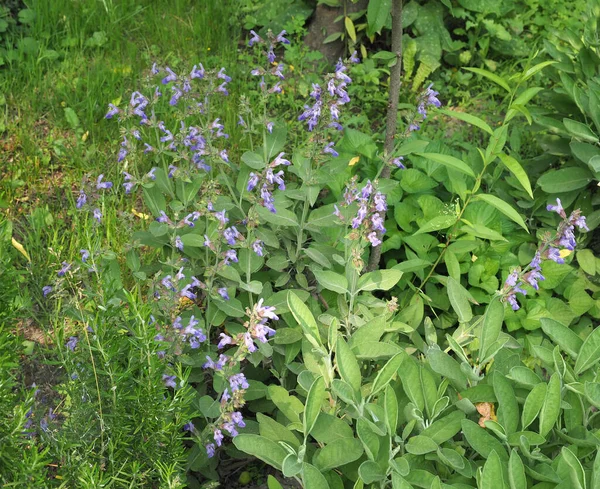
551	407
503	207
312	409
386	374
517	170
450	162
304	317
490	76
262	448
491	327
589	353
516	472
469	119
459	301
347	364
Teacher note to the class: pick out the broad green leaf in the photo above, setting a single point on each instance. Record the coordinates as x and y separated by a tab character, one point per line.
526	95
517	170
595	481
592	393
469	119
388	371
568	341
551	406
445	365
378	12
564	180
275	141
533	404
587	261
290	406
481	441
444	428
411	383
312	478
491	76
304	317
350	28
459	300
580	130
589	353
368	438
535	69
315	397
343	390
576	473
516	472
491	327
332	281
503	207
232	307
450	162
508	408
492	474
452	265
291	465
340	452
379	280
329	428
262	448
522	375
253	160
436	224
273	483
274	431
282	217
420	445
370	472
373	350
347	364
322	217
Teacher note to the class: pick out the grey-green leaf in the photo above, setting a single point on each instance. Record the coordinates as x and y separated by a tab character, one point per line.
533	404
388	371
347	364
332	281
262	448
516	472
589	353
551	407
313	404
459	300
562	336
304	317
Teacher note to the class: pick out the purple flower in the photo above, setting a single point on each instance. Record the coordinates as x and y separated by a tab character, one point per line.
112	111
512	300
329	150
230	235
154	70
238	382
223	155
178	243
46	290
432	96
271	54
177	94
222	88
279	71
337	212
206	241
270	127
189	427
163	217
103	185
172	170
372	237
362	213
210	450
511	280
230	255
265	311
85	254
167	284
230	427
275	178
532	277
367	190
238	419
249	342
280	160
170	77
354	57
147	149
81	200
241	121
97	215
380	202
252	182
169	380
186	292
282	39
221	217
223	293
554	255
65	268
567	239
268	199
223	76
254	39
257	246
191	218
225	340
122	154
398	162
558	208
377	222
414	127
225	397
72	343
218	436
580	223
197	72
536	262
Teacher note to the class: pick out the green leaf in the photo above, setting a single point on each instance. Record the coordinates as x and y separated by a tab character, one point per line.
580	130
437	223
589	353
481	441
72	118
452	265
332	281
444	428
282	217
315	397
303	316
273	483
445	365
347	365
564	180
388	371
595	481
350	28
379	280
568	341
391	410
576	473
551	407
526	95
491	327
378	12
262	448
322	217
337	453
587	261
420	445
291	465
254	160
312	478
275	141
482	231
535	69
370	472
516	472
508	409
491	76
517	170
469	119
411	383
459	300
492	474
503	207
271	429
290	406
450	162
232	307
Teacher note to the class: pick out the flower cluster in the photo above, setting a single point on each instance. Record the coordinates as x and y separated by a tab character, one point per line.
84	200
426	99
269	180
550	249
369	220
331	99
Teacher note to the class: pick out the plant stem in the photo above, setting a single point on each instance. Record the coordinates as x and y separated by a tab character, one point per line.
392	109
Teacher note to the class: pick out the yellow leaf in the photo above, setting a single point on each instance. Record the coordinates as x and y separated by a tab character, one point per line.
350	28
140	215
19	247
354	161
565	253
